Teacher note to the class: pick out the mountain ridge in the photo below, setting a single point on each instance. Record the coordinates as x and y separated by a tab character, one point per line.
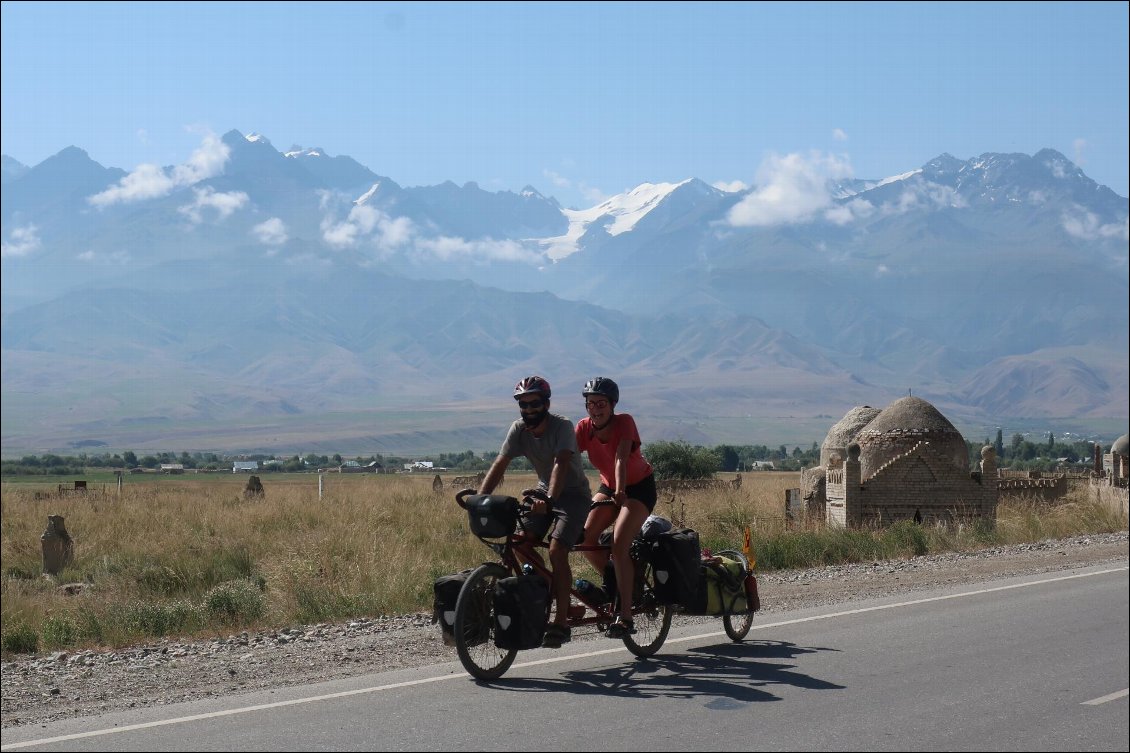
251	282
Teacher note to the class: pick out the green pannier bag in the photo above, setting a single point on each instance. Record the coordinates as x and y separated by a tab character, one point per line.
723	588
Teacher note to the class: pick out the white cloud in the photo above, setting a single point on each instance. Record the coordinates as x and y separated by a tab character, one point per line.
923	194
366	227
116	257
1077	148
733	186
855	209
394	233
21	241
557	179
224	203
791	189
446	248
882	270
1086	225
839	135
360	222
270	232
149	181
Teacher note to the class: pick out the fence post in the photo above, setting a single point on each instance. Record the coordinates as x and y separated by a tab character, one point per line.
319	485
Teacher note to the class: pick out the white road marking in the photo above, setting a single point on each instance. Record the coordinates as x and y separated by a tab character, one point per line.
553	660
1096	701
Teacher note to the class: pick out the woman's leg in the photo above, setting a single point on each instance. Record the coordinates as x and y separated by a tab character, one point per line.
628	524
599	518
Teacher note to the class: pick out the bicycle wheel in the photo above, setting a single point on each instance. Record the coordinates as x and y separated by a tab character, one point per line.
737	625
652	619
474	625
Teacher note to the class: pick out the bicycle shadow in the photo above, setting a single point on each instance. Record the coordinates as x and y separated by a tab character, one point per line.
730	675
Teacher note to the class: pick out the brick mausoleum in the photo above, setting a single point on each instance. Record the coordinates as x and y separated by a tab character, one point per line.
906	462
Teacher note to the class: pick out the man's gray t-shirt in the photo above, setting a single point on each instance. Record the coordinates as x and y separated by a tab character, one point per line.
541	451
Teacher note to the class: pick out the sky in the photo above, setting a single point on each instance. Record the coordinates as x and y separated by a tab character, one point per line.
582	101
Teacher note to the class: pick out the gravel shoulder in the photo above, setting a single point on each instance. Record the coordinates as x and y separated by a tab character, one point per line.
48	687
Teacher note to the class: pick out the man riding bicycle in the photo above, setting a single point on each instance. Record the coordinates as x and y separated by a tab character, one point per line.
548	441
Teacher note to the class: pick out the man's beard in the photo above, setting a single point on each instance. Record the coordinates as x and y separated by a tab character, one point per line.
531	420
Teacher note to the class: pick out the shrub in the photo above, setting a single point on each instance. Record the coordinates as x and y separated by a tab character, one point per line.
21	639
60	631
235	601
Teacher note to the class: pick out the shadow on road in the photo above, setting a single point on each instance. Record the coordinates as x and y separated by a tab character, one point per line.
728	675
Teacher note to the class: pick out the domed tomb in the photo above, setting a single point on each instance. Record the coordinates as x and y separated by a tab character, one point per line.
902	425
1121	446
844	433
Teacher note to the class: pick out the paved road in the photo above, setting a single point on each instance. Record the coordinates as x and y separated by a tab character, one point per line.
1037	663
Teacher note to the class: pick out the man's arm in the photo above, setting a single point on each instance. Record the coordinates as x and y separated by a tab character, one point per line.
559	473
494	475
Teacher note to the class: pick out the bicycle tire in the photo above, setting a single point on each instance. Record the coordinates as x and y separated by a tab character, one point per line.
652	619
737	625
474	625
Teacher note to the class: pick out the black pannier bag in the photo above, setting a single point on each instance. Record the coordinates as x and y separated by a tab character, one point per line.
492	516
446	592
521	610
675	559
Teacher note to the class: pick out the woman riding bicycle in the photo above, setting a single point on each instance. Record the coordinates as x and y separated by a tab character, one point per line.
627	493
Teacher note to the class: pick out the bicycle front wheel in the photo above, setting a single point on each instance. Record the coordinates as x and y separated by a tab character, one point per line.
474	625
652	619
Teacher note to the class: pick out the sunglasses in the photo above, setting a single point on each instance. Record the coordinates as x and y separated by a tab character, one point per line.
530	404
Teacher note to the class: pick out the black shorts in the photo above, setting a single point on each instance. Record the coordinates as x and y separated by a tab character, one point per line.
644	491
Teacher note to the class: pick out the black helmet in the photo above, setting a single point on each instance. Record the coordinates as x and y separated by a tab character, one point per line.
532	385
604	387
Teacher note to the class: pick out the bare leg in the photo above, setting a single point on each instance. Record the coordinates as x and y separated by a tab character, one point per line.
631	518
599	519
562	579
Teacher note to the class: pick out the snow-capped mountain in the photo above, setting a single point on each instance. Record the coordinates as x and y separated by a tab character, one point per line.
250	279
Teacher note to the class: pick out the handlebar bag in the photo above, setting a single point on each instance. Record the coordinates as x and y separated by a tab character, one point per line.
492	516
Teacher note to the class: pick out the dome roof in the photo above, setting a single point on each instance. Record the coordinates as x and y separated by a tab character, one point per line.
1121	445
903	424
844	432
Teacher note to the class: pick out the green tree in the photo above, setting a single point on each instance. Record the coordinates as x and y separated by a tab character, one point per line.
679	459
729	457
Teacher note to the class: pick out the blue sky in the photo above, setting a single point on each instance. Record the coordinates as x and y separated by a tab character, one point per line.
580	100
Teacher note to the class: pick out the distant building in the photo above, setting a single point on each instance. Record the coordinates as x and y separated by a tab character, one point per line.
245	466
172	468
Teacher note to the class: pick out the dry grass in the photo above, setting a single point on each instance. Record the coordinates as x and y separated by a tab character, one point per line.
193	557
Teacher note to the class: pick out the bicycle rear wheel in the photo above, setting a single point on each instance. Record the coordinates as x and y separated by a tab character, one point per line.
652	619
737	625
474	625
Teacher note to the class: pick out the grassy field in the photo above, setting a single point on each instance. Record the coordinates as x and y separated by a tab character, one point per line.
190	556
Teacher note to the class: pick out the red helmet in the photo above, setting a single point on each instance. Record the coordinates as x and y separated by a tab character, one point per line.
532	385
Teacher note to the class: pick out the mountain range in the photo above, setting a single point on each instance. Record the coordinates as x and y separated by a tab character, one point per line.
253	299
